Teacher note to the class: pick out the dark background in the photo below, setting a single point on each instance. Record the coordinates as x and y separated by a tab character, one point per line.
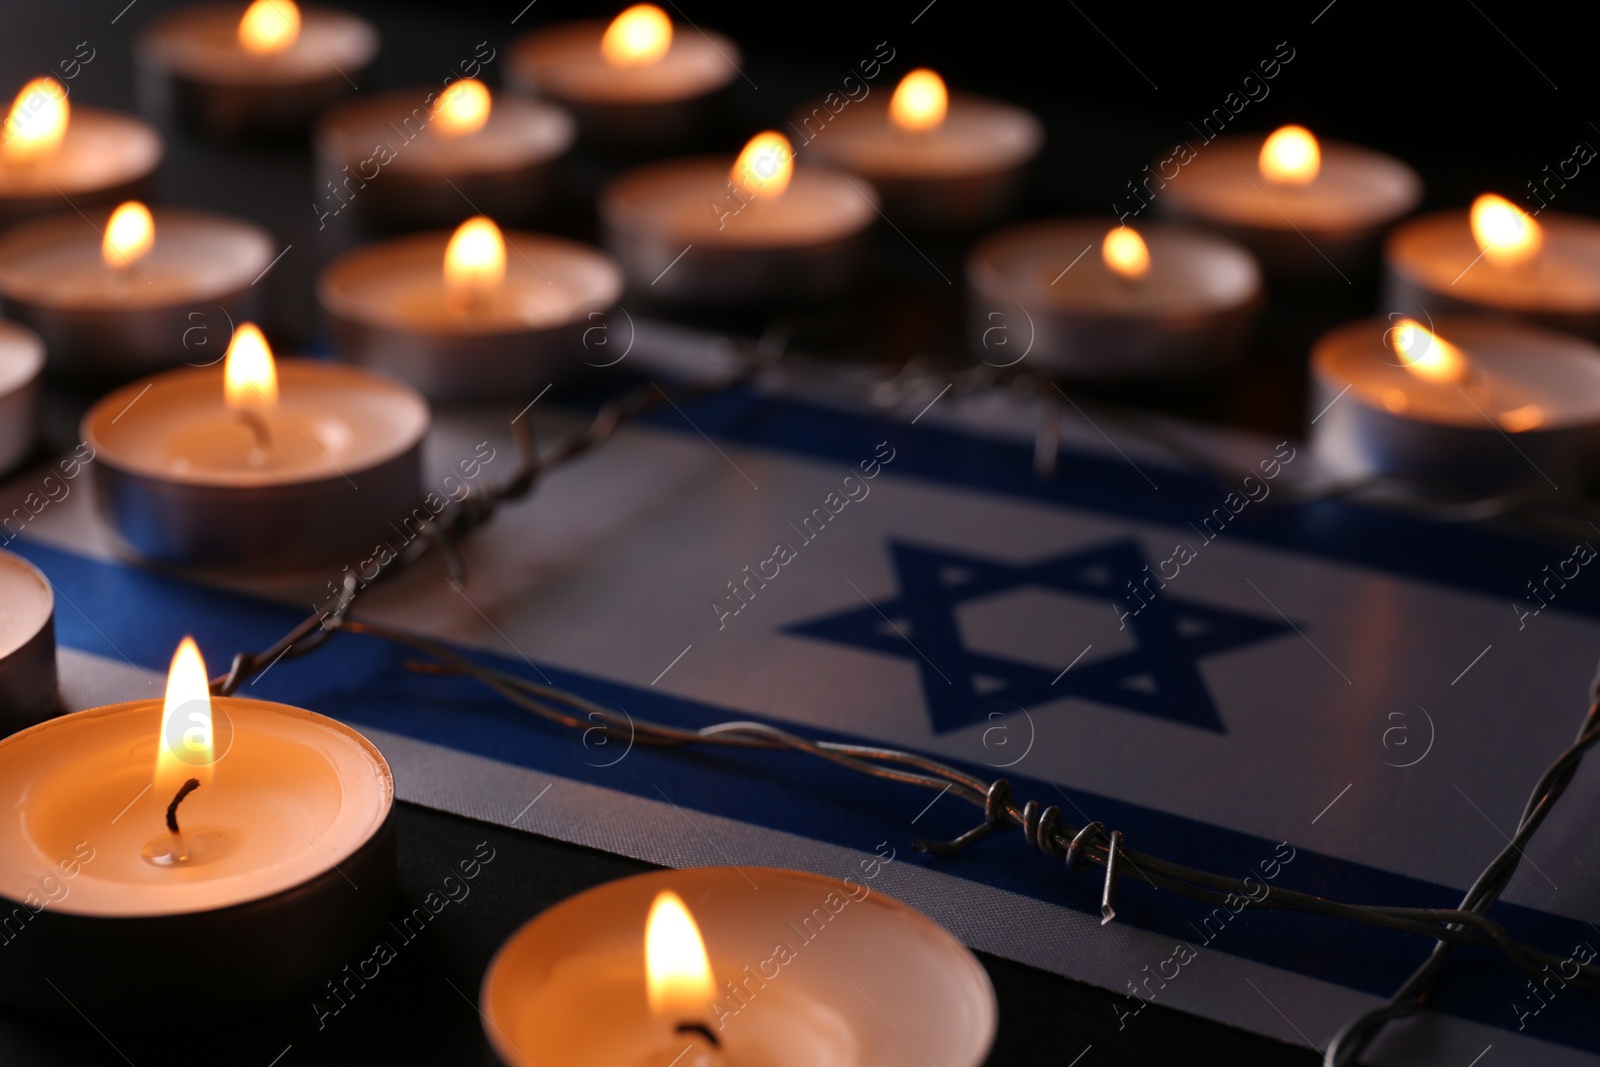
1477	95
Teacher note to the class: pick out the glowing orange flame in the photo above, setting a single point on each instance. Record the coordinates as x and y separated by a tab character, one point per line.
638	37
249	375
461	109
269	26
185	748
1125	252
1505	233
37	121
1426	354
919	101
475	258
677	970
129	235
1291	156
766	165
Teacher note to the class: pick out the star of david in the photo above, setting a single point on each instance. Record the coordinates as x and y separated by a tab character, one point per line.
1160	676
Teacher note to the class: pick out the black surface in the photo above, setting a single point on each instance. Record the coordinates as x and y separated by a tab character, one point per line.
421	1006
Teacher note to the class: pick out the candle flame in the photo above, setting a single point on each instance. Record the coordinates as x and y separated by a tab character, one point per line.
1505	233
37	121
677	971
638	37
269	26
1291	156
249	375
1125	252
462	108
766	165
185	749
1426	354
475	258
129	235
919	101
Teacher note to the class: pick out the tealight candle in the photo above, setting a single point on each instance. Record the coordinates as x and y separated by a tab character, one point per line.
627	973
1472	406
114	299
1305	208
940	162
28	692
1157	302
410	158
762	230
229	853
459	318
21	361
634	83
1497	258
269	67
257	462
54	153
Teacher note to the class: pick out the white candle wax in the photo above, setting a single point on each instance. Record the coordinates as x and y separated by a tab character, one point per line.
565	62
1355	189
201	42
977	136
26	603
21	362
293	795
1437	256
100	150
197	257
518	133
568	989
329	421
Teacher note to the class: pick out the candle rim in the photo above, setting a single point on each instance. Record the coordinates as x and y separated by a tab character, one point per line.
1569	238
64	168
564	61
11	559
169	43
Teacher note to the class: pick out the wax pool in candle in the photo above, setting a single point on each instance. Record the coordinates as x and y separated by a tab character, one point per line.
628	971
1472	405
419	158
1156	302
634	82
1296	202
54	149
719	230
1498	258
940	161
122	296
469	315
268	66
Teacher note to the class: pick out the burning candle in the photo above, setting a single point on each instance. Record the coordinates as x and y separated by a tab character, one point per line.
266	68
634	84
1309	210
257	462
415	158
760	231
462	318
21	362
940	161
246	842
743	979
1497	258
1468	407
55	153
115	296
1158	302
28	691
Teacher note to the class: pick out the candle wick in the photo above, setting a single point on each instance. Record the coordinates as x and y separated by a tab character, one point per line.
258	427
698	1028
172	809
